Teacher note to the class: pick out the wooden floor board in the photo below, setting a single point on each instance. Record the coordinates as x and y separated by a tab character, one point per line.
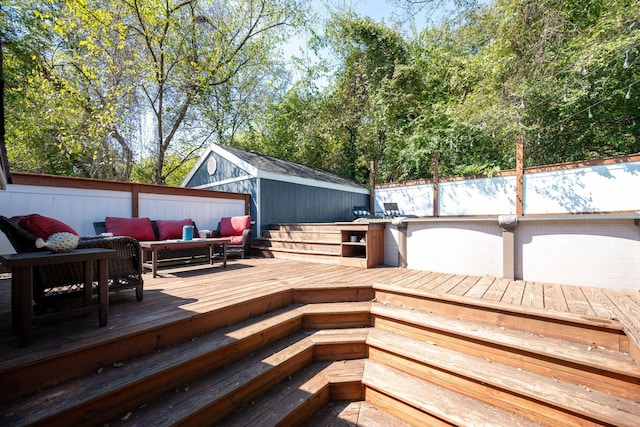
514	292
554	298
480	287
182	292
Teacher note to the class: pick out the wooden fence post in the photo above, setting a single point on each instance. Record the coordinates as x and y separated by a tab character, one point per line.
436	178
372	186
519	174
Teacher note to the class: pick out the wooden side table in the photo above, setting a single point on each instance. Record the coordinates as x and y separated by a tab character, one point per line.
22	265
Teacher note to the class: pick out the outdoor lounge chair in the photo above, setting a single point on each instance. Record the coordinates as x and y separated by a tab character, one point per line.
51	282
238	229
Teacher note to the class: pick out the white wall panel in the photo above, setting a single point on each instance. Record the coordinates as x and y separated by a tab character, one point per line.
469	247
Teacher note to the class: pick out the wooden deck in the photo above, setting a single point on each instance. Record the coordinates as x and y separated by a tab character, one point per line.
185	294
179	293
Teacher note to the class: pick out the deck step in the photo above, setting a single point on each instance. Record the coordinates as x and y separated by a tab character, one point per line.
302	226
298	397
421	402
596	332
315	242
135	381
600	369
332	236
541	398
211	398
305	246
105	393
296	255
361	413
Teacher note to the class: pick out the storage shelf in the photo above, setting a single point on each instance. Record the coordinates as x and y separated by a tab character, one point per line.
367	253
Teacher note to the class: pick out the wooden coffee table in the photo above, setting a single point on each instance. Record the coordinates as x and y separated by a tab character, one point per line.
155	245
22	265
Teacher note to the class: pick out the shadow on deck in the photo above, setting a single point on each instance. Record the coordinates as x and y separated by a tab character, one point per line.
277	341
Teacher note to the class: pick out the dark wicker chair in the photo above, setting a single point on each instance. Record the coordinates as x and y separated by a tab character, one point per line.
65	279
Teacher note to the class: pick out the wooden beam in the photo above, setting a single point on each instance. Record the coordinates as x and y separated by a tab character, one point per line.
372	186
519	174
436	178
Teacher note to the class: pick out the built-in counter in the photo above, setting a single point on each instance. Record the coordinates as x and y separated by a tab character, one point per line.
362	243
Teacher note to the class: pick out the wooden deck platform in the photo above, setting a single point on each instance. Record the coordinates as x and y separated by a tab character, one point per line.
184	294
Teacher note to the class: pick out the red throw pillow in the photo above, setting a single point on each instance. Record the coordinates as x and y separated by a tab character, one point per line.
171	229
42	226
234	226
138	228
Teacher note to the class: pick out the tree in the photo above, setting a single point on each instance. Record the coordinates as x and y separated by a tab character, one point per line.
130	62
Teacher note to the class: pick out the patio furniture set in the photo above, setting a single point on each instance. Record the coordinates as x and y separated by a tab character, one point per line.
47	285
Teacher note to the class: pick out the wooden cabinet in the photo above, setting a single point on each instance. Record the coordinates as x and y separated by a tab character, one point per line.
362	244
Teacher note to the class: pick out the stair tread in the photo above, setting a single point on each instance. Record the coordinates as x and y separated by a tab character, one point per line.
196	395
611	409
362	413
111	379
439	401
593	356
281	401
301	251
273	407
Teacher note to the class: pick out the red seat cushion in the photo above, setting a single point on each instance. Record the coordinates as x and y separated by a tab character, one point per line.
138	228
234	226
42	226
236	240
171	229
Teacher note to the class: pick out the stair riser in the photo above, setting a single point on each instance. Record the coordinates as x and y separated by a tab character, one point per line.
597	378
532	409
222	408
303	236
301	246
606	337
401	410
317	258
319	227
336	320
337	294
48	372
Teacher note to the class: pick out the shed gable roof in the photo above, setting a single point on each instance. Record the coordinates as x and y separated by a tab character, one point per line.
262	166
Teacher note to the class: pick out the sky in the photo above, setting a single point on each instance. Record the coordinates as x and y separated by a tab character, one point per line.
384	11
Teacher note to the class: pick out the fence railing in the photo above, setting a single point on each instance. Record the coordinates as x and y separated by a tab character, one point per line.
79	202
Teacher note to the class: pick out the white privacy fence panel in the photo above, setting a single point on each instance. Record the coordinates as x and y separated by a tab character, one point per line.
483	196
81	207
78	208
205	211
604	188
411	200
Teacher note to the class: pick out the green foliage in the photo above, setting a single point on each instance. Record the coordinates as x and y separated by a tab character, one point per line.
94	84
465	90
140	79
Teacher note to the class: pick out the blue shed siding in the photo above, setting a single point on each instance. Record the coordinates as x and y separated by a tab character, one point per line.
283	202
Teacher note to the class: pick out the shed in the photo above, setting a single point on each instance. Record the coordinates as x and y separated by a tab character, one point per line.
281	191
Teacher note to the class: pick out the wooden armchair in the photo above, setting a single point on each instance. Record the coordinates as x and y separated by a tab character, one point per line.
238	229
65	279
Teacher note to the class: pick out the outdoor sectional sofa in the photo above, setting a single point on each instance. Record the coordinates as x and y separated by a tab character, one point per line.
53	282
145	229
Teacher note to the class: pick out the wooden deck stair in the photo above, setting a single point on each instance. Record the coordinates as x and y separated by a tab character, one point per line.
321	355
314	242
